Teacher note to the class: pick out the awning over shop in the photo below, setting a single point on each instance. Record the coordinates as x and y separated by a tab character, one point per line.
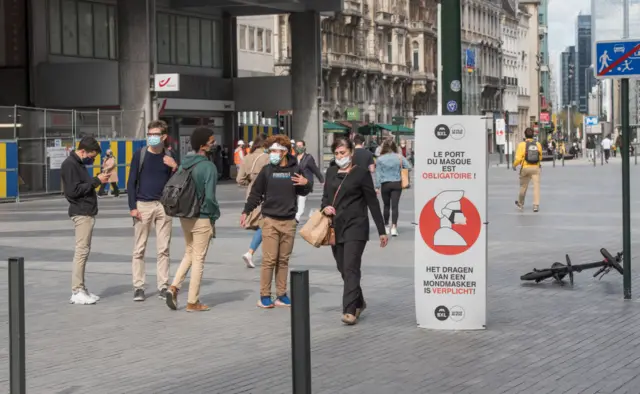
330	127
375	128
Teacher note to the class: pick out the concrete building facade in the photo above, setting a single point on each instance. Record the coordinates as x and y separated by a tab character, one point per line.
511	60
375	57
527	73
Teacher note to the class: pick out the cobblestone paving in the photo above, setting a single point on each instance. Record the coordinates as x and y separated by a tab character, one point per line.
540	338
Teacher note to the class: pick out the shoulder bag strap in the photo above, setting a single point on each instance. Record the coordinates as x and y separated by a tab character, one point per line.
255	161
335	196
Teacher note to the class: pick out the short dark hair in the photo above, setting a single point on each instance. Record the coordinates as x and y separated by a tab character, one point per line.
158	124
344	142
389	146
302	142
199	137
89	144
358	139
528	132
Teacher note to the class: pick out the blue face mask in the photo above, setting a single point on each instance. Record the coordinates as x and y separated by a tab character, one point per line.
275	158
154	140
87	160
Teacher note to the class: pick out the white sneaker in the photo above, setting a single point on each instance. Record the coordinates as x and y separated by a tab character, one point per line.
387	229
95	297
81	297
394	231
248	260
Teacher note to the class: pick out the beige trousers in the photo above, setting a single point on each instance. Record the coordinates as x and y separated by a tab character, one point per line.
197	236
529	174
152	215
84	232
277	245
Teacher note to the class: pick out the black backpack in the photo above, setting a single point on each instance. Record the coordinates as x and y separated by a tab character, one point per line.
531	154
179	197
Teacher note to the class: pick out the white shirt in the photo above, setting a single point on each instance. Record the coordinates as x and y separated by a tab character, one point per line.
606	143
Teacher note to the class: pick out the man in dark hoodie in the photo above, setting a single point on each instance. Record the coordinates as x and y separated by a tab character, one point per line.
277	188
197	231
80	191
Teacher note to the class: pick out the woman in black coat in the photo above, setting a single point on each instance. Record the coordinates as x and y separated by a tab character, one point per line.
348	193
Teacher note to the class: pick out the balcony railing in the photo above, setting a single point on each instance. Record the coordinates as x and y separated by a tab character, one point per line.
401	70
352	7
282	61
384	18
491	81
387	68
421	27
344	60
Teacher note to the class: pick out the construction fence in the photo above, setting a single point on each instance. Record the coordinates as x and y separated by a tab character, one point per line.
35	141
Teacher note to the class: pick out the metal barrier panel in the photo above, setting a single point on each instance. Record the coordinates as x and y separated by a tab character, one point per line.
249	133
123	151
8	170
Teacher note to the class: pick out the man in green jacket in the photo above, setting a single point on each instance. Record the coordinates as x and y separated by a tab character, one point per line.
197	231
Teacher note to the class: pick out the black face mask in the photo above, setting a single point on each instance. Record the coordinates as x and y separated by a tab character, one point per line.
453	215
88	160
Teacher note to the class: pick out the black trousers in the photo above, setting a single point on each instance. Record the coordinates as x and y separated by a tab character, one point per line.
114	189
391	192
348	257
607	152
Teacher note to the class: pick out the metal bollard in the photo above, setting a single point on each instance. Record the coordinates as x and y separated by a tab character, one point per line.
17	365
300	332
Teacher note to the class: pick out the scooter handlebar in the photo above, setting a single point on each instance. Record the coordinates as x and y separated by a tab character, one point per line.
611	260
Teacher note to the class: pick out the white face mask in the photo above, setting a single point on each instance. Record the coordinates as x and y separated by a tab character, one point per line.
343	162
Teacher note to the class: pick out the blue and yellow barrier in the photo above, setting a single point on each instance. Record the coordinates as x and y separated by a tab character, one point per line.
249	133
8	169
123	151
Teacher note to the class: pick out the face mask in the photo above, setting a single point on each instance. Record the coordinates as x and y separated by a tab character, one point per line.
87	160
343	162
154	140
275	158
300	150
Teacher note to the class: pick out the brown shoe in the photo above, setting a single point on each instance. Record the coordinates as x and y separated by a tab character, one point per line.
172	298
360	310
197	307
349	319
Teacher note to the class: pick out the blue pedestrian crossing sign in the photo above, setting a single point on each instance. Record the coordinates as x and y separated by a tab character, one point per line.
618	59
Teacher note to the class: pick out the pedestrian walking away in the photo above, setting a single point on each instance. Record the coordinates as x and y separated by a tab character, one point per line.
309	168
151	168
529	159
348	193
109	167
198	224
80	191
276	187
249	170
606	147
389	183
362	157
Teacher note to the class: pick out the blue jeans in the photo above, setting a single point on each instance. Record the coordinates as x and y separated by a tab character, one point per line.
257	240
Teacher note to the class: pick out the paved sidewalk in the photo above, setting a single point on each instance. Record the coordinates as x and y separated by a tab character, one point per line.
540	338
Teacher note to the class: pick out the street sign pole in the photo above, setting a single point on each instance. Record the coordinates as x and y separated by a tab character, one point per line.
626	193
619	59
451	65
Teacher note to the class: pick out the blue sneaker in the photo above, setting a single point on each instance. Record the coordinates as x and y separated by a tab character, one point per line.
265	302
283	300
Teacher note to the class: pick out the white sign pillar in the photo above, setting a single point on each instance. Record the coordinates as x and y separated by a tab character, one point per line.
451	238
